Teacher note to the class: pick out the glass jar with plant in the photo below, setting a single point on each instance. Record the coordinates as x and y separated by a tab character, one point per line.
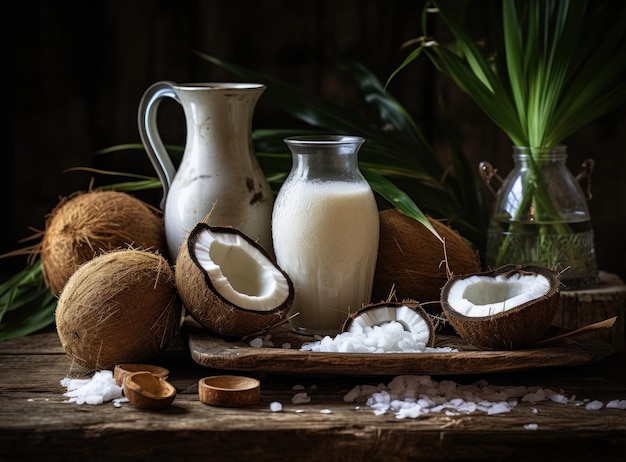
551	68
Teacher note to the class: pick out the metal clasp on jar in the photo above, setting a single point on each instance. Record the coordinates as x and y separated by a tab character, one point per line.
585	177
488	173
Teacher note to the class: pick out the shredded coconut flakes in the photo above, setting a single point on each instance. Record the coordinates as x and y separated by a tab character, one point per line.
389	337
97	390
413	396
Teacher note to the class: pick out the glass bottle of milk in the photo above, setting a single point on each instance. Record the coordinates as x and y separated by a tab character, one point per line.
325	232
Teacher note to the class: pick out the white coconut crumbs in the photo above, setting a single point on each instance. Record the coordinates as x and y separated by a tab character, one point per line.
413	396
594	405
99	389
275	406
256	342
301	398
262	342
616	404
390	337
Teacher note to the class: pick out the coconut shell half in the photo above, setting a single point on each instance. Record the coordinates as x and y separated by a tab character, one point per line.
229	284
509	308
409	313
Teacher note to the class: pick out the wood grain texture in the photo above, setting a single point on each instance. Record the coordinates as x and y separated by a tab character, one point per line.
36	422
211	351
582	307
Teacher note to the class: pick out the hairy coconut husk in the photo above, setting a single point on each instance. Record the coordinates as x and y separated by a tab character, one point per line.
203	301
518	326
119	307
411	260
85	224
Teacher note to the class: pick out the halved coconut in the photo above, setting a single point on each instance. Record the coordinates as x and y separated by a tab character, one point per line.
508	308
408	313
229	284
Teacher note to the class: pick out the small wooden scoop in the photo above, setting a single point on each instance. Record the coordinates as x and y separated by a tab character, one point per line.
122	370
146	391
229	391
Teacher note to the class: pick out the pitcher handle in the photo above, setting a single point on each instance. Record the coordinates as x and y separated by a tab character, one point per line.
149	132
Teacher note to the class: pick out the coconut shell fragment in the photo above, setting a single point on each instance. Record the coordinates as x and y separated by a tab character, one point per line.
147	391
411	260
229	284
86	224
409	313
120	307
509	308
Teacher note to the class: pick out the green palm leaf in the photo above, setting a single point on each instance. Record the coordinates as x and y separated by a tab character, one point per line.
555	66
26	305
399	152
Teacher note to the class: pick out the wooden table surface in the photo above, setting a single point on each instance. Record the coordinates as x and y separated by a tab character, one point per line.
37	423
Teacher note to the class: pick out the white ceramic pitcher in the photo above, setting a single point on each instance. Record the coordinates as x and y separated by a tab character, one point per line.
219	170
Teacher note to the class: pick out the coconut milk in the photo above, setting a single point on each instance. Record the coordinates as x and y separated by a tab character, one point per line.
325	236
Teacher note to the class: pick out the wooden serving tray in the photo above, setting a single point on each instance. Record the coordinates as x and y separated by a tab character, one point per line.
218	353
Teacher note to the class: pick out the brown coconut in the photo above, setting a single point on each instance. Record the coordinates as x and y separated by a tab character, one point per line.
119	307
411	260
85	224
229	284
508	308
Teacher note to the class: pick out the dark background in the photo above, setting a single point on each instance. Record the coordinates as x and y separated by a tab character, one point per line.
74	73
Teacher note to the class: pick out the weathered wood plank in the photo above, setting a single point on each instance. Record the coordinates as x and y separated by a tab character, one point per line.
35	420
583	307
215	352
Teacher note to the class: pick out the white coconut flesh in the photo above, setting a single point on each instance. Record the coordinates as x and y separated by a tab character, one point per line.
410	320
240	273
481	296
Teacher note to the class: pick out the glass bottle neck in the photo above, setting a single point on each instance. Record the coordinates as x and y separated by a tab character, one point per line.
326	158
